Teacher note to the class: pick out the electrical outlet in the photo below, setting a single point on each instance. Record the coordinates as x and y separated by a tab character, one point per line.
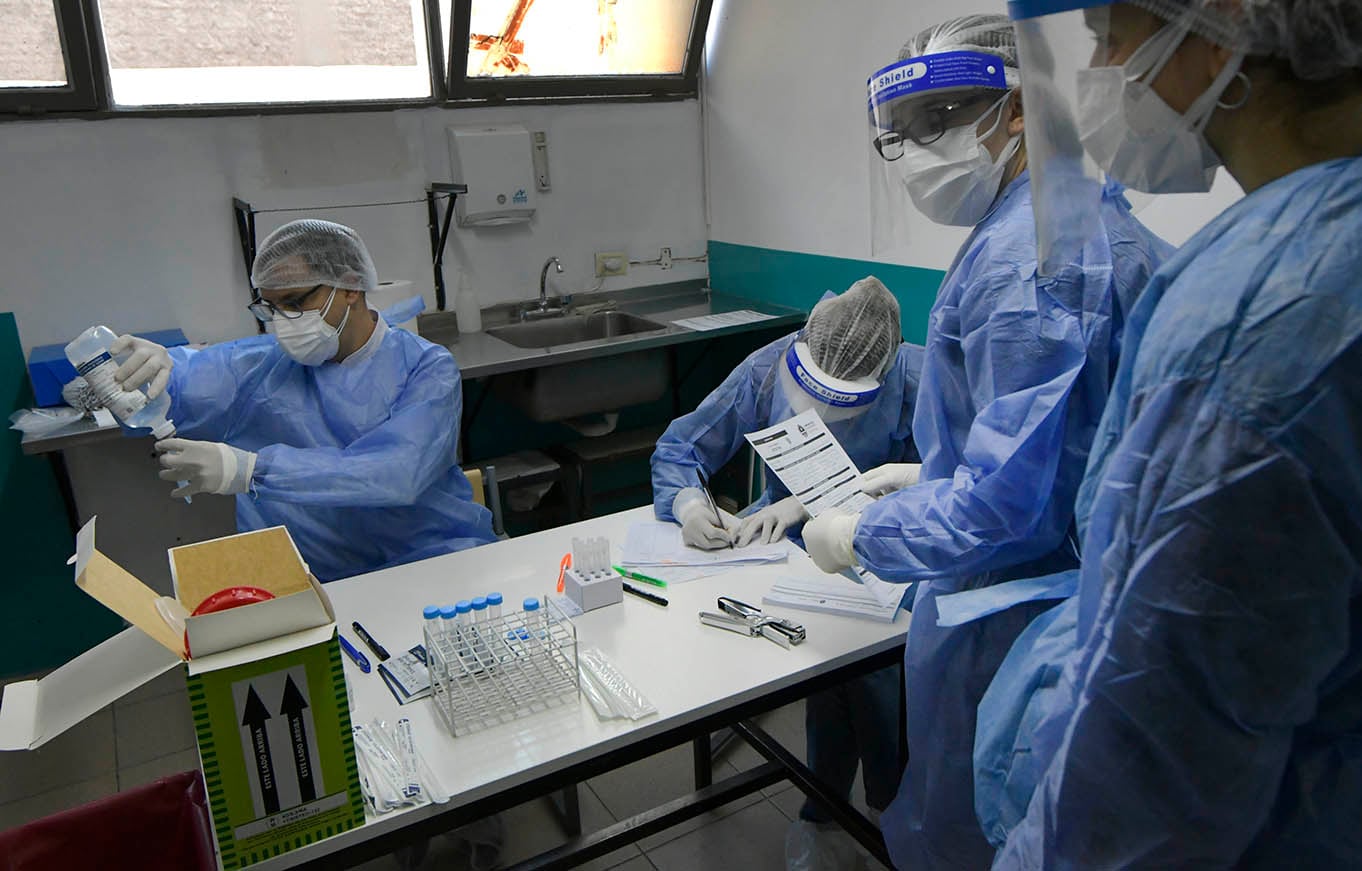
664	259
610	263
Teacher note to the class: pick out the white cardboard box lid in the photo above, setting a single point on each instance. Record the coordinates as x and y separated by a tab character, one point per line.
34	712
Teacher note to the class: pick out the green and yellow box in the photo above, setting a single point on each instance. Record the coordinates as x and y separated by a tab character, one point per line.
266	687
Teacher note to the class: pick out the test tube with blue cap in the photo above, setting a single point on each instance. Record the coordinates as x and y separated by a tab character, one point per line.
479	609
464	608
448	622
431	615
494	606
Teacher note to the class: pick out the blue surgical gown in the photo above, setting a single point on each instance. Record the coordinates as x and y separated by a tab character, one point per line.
1018	367
358	460
1208	712
750	398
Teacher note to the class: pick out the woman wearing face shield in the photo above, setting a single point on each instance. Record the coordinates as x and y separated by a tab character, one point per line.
1017	370
850	365
1196	702
337	426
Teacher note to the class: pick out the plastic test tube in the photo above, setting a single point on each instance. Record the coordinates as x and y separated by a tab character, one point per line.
534	615
493	606
463	606
431	615
447	622
479	609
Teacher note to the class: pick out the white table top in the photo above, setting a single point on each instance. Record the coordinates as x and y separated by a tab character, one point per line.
685	669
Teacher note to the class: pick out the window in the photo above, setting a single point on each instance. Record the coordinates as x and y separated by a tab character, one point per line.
44	63
169	55
577	47
194	52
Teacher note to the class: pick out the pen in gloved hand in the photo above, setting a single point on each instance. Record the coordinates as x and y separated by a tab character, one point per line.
704	485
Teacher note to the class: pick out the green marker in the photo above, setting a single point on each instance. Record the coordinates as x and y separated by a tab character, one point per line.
635	576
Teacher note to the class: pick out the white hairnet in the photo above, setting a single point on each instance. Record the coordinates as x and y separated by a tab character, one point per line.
1321	39
309	252
855	334
989	34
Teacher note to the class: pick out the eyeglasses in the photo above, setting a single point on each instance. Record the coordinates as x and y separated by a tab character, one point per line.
292	309
925	127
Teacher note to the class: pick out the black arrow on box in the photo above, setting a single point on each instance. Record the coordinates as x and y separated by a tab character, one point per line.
254	719
292	708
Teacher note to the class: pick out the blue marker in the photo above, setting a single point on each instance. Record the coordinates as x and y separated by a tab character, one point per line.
360	659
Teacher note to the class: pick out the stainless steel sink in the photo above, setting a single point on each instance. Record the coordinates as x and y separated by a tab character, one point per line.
571	329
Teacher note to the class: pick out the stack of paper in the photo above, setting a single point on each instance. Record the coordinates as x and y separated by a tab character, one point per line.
654	544
835	595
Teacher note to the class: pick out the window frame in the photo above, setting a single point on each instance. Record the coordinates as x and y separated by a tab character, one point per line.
79	92
88	93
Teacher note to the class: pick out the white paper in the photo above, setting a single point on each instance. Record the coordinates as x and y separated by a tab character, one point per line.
723	319
813	466
655	543
835	595
104	418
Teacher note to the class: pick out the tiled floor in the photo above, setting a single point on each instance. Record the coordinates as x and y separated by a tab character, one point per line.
148	735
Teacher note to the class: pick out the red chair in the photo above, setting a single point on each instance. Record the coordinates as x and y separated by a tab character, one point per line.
163	825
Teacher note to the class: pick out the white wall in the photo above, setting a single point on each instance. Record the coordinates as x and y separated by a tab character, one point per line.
128	222
787	136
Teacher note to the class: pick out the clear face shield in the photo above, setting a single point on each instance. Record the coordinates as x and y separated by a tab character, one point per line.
1088	75
926	153
806	386
1066	183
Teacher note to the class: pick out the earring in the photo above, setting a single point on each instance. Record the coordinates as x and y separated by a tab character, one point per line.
1248	90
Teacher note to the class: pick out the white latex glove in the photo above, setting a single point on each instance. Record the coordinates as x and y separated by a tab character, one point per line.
885	479
769	525
149	362
205	467
700	525
828	538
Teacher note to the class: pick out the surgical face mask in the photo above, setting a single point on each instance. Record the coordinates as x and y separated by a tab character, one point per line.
308	338
1134	135
955	180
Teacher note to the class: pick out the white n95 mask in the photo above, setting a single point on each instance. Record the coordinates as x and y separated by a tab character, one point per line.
308	338
1134	135
955	180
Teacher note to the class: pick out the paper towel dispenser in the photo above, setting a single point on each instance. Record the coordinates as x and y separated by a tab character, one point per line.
497	164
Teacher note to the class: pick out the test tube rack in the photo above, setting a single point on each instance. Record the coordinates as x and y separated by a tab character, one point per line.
499	670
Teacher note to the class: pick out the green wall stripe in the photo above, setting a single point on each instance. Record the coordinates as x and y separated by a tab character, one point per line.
796	279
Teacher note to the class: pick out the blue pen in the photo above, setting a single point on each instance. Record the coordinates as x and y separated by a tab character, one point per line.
360	659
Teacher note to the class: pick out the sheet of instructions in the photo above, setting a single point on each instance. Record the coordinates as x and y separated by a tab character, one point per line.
814	467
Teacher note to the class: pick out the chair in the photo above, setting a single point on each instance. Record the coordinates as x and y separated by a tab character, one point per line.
163	825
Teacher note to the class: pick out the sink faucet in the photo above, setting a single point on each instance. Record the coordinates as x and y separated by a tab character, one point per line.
542	308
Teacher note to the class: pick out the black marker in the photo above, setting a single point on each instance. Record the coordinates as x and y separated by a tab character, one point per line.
657	600
369	640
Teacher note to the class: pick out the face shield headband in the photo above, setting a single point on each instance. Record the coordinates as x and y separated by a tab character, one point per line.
824	388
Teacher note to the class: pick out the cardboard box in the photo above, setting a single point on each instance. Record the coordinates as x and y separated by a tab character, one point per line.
266	687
